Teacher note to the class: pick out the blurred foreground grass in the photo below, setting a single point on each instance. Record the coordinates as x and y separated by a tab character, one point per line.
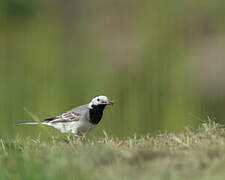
190	155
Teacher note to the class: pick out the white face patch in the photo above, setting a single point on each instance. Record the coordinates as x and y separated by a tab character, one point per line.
98	100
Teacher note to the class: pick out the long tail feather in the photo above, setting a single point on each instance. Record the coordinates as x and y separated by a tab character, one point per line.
25	123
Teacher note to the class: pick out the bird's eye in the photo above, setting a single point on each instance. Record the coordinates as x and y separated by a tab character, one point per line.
98	99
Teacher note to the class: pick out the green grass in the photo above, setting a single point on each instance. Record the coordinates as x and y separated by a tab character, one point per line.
190	155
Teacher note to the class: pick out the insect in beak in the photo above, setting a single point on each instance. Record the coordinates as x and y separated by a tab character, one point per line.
110	102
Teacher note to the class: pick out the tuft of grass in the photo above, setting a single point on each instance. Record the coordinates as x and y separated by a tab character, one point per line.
196	154
37	119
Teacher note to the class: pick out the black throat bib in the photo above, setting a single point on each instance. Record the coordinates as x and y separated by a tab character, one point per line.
96	113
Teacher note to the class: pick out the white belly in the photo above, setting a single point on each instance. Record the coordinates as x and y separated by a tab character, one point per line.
73	127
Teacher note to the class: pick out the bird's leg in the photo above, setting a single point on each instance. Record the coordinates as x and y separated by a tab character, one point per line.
77	136
85	134
83	137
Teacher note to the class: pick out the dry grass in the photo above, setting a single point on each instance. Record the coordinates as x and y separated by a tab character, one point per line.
190	155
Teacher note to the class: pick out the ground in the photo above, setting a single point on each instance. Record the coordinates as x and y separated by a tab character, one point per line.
198	154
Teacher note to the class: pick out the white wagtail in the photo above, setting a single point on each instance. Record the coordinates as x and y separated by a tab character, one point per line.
80	119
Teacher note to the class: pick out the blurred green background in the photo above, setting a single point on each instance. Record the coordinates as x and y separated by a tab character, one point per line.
163	62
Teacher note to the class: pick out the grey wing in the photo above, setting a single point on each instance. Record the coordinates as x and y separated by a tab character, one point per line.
72	115
80	109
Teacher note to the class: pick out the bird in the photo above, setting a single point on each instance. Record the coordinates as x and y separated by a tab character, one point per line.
79	120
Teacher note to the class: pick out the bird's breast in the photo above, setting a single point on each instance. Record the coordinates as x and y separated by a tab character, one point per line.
96	114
